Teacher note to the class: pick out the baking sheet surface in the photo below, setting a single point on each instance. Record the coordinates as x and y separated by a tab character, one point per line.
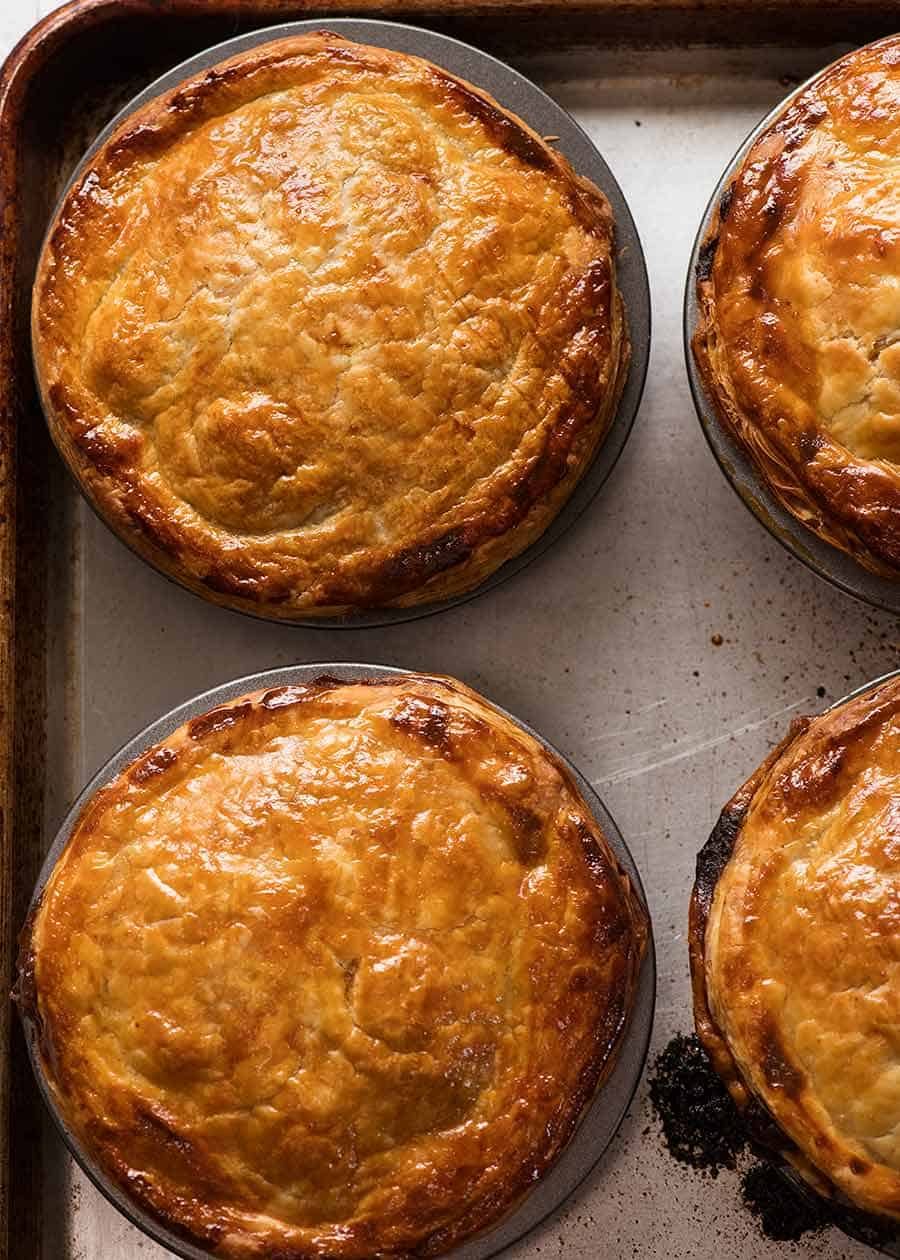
663	645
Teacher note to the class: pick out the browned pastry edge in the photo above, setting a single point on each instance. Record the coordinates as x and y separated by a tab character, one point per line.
834	728
711	862
851	503
485	1213
441	565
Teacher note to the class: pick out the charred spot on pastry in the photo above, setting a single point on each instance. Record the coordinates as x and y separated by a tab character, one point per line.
416	564
142	140
349	968
795	135
299	693
61	400
811	780
583	979
218	720
152	527
528	829
508	133
716	853
427	720
758	290
706	257
779	1072
285	697
225	582
725	202
153	765
161	1128
810	444
593	854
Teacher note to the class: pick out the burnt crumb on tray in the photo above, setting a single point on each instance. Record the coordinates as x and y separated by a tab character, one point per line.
699	1121
701	1127
782	1213
786	1211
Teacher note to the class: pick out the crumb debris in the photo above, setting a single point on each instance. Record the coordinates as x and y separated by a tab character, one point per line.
702	1128
700	1123
782	1212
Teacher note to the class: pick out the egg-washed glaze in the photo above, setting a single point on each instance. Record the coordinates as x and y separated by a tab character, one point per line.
327	328
333	970
795	943
799	291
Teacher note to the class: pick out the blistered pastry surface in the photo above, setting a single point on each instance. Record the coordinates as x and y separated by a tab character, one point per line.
326	327
333	970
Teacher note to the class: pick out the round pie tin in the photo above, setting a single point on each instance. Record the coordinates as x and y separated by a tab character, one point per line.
881	1235
525	99
836	566
600	1119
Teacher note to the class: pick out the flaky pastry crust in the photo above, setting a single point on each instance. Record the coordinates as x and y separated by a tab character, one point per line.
333	970
798	342
327	328
794	950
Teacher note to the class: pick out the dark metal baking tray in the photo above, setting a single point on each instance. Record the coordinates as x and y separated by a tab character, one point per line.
601	1118
525	99
829	562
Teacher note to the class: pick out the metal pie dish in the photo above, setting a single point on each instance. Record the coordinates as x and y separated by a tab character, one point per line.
601	1117
529	102
769	1141
829	562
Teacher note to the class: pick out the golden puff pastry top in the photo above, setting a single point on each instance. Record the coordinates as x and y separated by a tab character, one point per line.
799	287
327	328
333	970
796	927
